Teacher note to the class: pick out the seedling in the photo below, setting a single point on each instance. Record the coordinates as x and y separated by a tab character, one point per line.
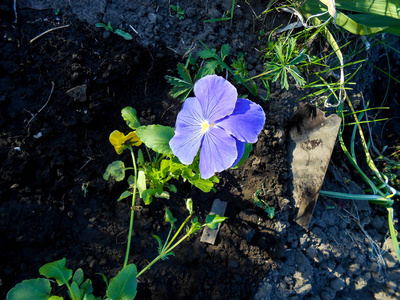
282	60
119	32
228	15
213	62
179	12
263	205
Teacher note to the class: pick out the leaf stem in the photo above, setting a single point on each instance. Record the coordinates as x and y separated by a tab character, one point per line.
128	247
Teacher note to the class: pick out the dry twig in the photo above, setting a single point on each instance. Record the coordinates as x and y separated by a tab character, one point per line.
48	99
47	31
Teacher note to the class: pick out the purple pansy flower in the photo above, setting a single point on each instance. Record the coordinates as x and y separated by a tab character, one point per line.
218	123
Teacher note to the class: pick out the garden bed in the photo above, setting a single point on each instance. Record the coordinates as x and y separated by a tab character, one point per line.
55	148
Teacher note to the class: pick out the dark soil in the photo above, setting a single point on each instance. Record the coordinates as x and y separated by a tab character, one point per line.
53	144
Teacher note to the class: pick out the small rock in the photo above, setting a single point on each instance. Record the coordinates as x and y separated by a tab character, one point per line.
103	261
78	93
280	136
152	17
304	290
353	269
234	264
328	294
360	282
312	252
338	284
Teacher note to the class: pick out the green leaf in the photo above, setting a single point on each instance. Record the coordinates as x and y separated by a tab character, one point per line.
169	218
296	75
212	221
140	159
129	115
75	291
206	53
156	137
284	81
78	276
124	285
189	205
159	241
141	182
247	150
87	287
131	181
38	289
270	211
102	25
172	188
104	278
195	226
163	195
181	86
205	185
224	51
159	188
90	297
123	34
57	271
115	170
147	196
124	195
164	167
299	58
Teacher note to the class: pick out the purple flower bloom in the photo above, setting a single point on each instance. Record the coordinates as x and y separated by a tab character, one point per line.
217	122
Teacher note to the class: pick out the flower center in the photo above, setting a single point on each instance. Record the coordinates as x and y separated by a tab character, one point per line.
205	126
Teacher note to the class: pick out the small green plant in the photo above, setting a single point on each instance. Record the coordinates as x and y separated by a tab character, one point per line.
149	179
84	188
119	32
263	205
179	11
122	286
213	62
282	59
380	191
228	15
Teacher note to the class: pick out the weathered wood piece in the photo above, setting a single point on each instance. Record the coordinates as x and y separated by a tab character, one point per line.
210	235
310	146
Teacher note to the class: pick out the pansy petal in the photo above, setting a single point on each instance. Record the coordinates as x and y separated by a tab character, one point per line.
116	138
190	114
246	121
218	152
186	144
240	149
217	97
133	139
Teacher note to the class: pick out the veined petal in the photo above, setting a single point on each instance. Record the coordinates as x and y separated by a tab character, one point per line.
188	131
218	152
190	115
246	121
217	97
240	149
186	144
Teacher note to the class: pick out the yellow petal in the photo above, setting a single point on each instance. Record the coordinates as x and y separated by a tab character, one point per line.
117	139
133	139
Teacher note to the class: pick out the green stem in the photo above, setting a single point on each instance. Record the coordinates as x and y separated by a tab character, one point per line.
166	241
162	254
148	153
179	230
128	247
